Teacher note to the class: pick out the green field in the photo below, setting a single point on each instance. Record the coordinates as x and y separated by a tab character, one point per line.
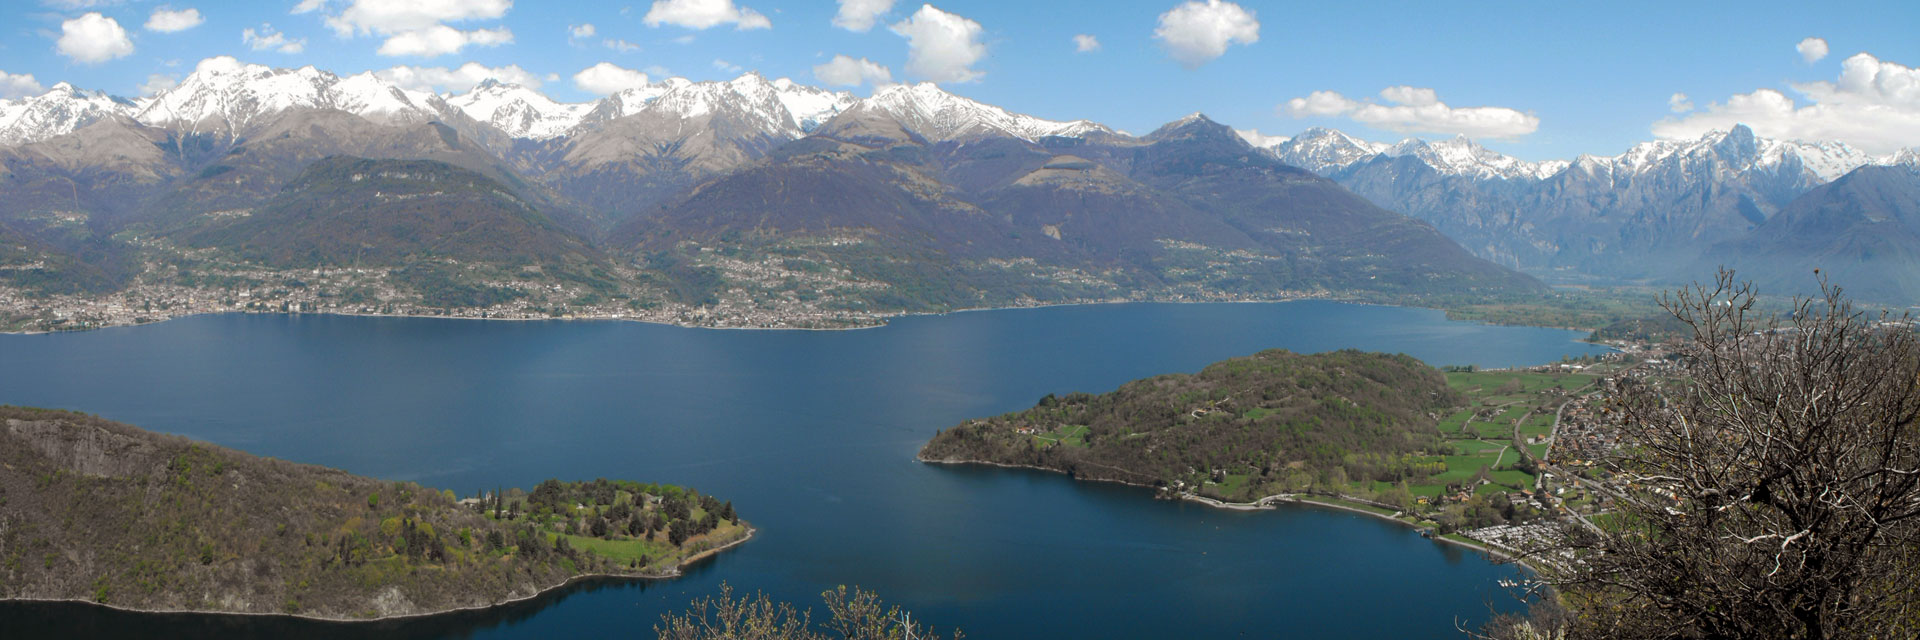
1073	435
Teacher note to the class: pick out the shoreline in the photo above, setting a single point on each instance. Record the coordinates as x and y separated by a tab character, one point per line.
1263	504
678	571
875	321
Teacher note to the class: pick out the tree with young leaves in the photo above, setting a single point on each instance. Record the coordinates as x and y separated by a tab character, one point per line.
1775	481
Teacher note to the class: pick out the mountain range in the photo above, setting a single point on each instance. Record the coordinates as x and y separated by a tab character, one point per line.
678	198
730	202
1664	211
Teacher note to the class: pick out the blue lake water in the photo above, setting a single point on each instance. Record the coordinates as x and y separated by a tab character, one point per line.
812	436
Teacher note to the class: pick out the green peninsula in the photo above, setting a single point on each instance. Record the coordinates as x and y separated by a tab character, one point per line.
1242	428
99	511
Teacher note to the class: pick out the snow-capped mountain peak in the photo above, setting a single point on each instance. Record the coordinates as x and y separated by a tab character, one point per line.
930	111
1462	156
1740	150
518	111
226	96
1322	150
62	109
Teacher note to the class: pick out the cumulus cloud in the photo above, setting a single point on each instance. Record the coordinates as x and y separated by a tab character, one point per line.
1084	43
417	27
849	72
387	17
607	78
457	80
309	6
703	14
19	85
167	20
1416	110
92	39
439	40
157	83
1812	49
580	30
1874	105
860	15
1679	103
941	46
621	46
1197	32
267	39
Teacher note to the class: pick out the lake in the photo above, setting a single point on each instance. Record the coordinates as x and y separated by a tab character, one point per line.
812	436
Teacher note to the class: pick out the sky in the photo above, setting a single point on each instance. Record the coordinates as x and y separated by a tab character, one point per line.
1537	80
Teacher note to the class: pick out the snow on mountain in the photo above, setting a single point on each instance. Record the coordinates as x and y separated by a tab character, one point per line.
223	95
60	110
939	116
1464	157
519	111
1736	151
1323	150
794	108
1909	157
811	106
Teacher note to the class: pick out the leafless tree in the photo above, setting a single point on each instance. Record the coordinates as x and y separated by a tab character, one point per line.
1775	481
852	615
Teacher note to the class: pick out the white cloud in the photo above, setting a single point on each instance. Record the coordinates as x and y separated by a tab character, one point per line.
1679	103
439	40
157	83
725	66
621	46
1874	105
219	64
1197	32
860	15
607	78
269	39
92	39
1083	43
1812	49
309	6
19	85
1416	110
580	30
941	46
657	71
849	72
703	14
456	80
417	27
389	17
167	20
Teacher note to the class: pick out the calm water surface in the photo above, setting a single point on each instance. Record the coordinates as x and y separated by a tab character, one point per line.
812	435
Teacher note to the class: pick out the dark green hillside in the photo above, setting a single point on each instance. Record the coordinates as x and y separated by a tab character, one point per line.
1241	428
345	211
104	512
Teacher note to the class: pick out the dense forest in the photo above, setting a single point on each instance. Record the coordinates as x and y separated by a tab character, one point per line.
1242	428
104	512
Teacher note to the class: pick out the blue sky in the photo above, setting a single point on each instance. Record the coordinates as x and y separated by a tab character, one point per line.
1561	78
